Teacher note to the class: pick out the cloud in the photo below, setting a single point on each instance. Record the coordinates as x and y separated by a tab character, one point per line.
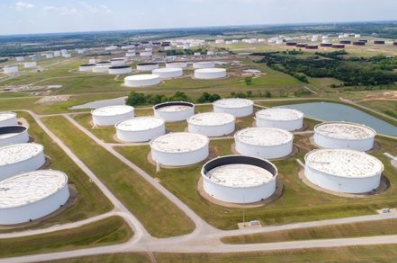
22	6
62	10
96	9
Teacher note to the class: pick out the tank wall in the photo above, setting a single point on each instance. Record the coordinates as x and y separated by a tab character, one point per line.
120	71
334	143
212	131
176	65
28	165
204	65
180	159
342	184
174	116
147	67
141	83
35	210
117	63
239	195
19	138
167	75
266	152
212	75
286	125
140	136
237	112
111	120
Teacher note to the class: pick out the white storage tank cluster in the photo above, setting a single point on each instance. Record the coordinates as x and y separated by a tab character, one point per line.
210	73
8	119
237	107
19	158
11	70
174	111
119	70
168	73
142	80
13	135
181	65
140	129
212	124
179	149
239	179
344	135
147	66
31	64
32	195
343	170
287	119
204	64
110	115
267	143
86	67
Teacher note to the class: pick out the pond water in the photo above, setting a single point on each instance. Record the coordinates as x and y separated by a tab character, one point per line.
338	112
100	103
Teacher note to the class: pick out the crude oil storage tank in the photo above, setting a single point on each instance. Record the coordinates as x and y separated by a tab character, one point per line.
140	129
142	80
110	115
261	142
168	73
343	170
212	124
19	158
145	53
101	69
86	67
174	111
239	179
119	70
287	119
31	64
147	66
13	135
8	119
179	149
210	73
344	135
181	65
116	62
204	64
235	106
11	70
32	195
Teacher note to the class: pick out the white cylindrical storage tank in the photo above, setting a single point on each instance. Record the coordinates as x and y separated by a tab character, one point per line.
267	143
210	73
110	115
49	56
147	66
104	63
20	158
20	59
8	119
101	69
11	70
287	119
32	195
168	73
143	80
179	149
57	53
236	107
67	55
344	135
146	53
343	170
86	67
204	64
31	64
174	111
92	61
130	54
212	124
239	179
117	62
210	53
119	70
181	65
140	129
13	135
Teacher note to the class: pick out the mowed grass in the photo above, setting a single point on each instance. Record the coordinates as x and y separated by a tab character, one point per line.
113	230
370	254
298	203
361	229
90	200
159	216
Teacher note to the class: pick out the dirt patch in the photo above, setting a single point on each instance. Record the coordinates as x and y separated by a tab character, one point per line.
53	99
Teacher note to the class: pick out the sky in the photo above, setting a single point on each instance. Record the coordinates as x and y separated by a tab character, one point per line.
52	16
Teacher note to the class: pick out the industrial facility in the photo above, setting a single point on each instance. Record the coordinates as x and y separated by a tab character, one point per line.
19	158
147	66
179	149
174	111
237	107
287	119
267	143
210	73
8	119
344	135
32	195
212	124
343	171
239	179
140	129
110	115
168	73
13	135
142	80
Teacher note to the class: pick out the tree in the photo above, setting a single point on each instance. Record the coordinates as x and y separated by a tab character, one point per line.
248	81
